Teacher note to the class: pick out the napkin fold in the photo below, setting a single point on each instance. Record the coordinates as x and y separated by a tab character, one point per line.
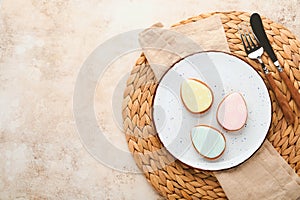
266	175
163	47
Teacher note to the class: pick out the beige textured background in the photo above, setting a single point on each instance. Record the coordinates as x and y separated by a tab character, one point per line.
43	44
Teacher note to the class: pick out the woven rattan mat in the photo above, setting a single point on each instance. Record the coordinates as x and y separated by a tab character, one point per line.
174	180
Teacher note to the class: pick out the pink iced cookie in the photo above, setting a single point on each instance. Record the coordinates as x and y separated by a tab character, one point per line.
232	112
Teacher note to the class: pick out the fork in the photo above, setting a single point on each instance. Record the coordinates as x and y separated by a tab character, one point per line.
254	51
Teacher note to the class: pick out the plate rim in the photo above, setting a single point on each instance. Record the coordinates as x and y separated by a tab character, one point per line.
211	51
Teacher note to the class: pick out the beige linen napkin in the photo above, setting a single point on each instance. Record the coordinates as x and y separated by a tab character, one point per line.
265	175
163	47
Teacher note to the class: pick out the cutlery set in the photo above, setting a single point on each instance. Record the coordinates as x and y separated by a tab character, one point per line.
255	41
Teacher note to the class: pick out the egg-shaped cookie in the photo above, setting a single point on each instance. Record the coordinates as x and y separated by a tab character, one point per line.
196	96
208	141
232	112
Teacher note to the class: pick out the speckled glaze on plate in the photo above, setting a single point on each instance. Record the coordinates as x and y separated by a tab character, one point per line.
224	74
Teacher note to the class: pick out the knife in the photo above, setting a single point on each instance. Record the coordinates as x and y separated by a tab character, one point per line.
259	31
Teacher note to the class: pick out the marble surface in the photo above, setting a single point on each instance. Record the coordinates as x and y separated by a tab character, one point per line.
43	45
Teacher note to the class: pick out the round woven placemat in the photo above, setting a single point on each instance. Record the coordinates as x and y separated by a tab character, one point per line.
171	178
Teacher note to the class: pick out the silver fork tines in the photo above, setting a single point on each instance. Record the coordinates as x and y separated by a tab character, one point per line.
251	45
245	35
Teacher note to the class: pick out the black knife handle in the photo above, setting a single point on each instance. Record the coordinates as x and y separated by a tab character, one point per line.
259	31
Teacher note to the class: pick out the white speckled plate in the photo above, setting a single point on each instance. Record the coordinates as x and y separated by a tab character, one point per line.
224	73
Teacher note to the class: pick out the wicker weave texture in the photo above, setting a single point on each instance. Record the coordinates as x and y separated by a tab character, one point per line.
171	178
